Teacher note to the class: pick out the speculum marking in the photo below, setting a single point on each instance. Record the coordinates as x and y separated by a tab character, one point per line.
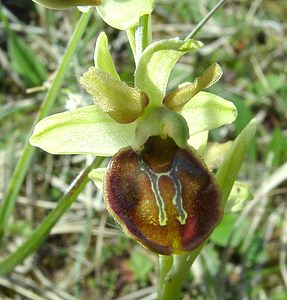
154	178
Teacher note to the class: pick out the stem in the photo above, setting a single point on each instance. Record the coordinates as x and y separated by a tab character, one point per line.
205	19
165	264
27	155
43	230
173	272
131	37
143	36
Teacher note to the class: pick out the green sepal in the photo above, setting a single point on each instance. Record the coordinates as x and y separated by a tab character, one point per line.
156	63
124	14
164	123
182	95
102	57
86	130
122	102
62	4
207	111
228	170
240	193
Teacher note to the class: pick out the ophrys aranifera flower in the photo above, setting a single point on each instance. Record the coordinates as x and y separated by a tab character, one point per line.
156	186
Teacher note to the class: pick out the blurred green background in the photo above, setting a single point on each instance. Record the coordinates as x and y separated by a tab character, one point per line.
87	256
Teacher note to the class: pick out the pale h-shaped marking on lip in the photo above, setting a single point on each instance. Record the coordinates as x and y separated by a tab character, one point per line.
176	200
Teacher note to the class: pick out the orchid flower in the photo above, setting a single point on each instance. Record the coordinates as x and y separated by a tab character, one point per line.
157	186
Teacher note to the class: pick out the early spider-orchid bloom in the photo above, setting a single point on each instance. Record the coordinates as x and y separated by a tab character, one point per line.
156	186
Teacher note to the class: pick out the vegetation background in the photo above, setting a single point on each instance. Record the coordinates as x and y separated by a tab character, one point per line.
87	256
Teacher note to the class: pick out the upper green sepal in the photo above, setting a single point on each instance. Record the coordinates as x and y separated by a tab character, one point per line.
156	64
62	4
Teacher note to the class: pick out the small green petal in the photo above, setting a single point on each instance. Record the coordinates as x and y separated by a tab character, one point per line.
207	111
156	63
124	14
228	170
164	123
102	57
123	103
181	96
86	130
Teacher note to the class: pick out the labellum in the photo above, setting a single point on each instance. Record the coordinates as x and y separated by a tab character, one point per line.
163	196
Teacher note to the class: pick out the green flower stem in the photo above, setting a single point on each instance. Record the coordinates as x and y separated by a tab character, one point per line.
25	160
143	36
131	37
165	264
173	271
43	230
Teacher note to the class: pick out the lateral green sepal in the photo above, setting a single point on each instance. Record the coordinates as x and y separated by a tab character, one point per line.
207	111
86	130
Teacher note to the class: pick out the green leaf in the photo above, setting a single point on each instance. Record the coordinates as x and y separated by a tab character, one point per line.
207	111
228	170
245	115
25	61
86	130
156	63
102	57
182	95
124	14
122	102
240	193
